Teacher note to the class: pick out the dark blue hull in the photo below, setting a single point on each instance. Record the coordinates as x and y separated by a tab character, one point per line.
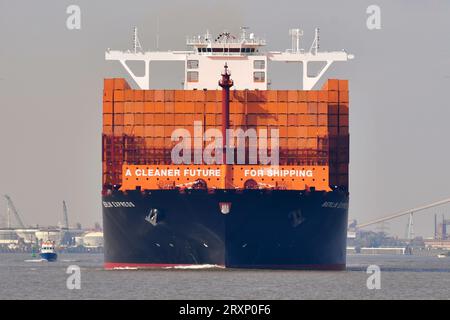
276	229
49	256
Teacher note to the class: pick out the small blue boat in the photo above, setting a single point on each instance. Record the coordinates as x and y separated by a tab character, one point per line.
48	252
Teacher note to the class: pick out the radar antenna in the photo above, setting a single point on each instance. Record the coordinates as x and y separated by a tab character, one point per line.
136	42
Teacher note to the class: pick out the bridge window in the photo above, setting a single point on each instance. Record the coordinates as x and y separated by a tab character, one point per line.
259	64
192	76
192	64
259	76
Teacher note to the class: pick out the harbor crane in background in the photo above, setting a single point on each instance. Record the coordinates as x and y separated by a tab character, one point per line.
65	225
409	212
11	207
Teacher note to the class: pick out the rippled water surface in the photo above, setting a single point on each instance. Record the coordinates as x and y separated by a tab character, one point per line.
402	277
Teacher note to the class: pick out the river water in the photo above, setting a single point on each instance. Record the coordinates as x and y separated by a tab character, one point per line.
402	277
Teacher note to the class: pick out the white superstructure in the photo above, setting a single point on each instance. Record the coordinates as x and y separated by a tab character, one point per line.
243	54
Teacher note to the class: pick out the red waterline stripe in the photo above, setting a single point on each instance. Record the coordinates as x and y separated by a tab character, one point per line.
114	265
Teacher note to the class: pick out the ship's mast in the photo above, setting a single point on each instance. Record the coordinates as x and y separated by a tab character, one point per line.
225	83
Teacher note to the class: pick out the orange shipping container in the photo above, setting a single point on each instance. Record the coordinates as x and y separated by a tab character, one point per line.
139	95
292	120
302	96
129	107
159	107
292	132
322	108
303	107
292	96
139	119
302	143
119	95
168	130
236	107
179	95
138	131
169	95
118	130
158	95
169	107
282	107
311	119
331	85
333	109
322	120
188	96
149	119
129	95
282	120
343	108
293	108
108	84
323	96
107	107
210	120
313	96
128	119
312	143
159	118
211	107
282	96
118	119
211	95
169	118
149	95
179	119
159	142
333	97
343	120
302	131
333	120
343	85
254	107
189	119
292	143
139	107
128	130
107	130
121	84
149	107
199	95
312	108
107	119
272	96
108	95
159	131
199	107
343	96
312	131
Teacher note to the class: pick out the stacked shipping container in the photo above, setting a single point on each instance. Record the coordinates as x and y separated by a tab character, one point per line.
138	124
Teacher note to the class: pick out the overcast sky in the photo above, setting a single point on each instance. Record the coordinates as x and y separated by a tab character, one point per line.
51	93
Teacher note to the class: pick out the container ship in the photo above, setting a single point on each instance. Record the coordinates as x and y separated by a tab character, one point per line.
226	171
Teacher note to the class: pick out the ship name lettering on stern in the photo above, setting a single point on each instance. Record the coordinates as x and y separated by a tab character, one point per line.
118	204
